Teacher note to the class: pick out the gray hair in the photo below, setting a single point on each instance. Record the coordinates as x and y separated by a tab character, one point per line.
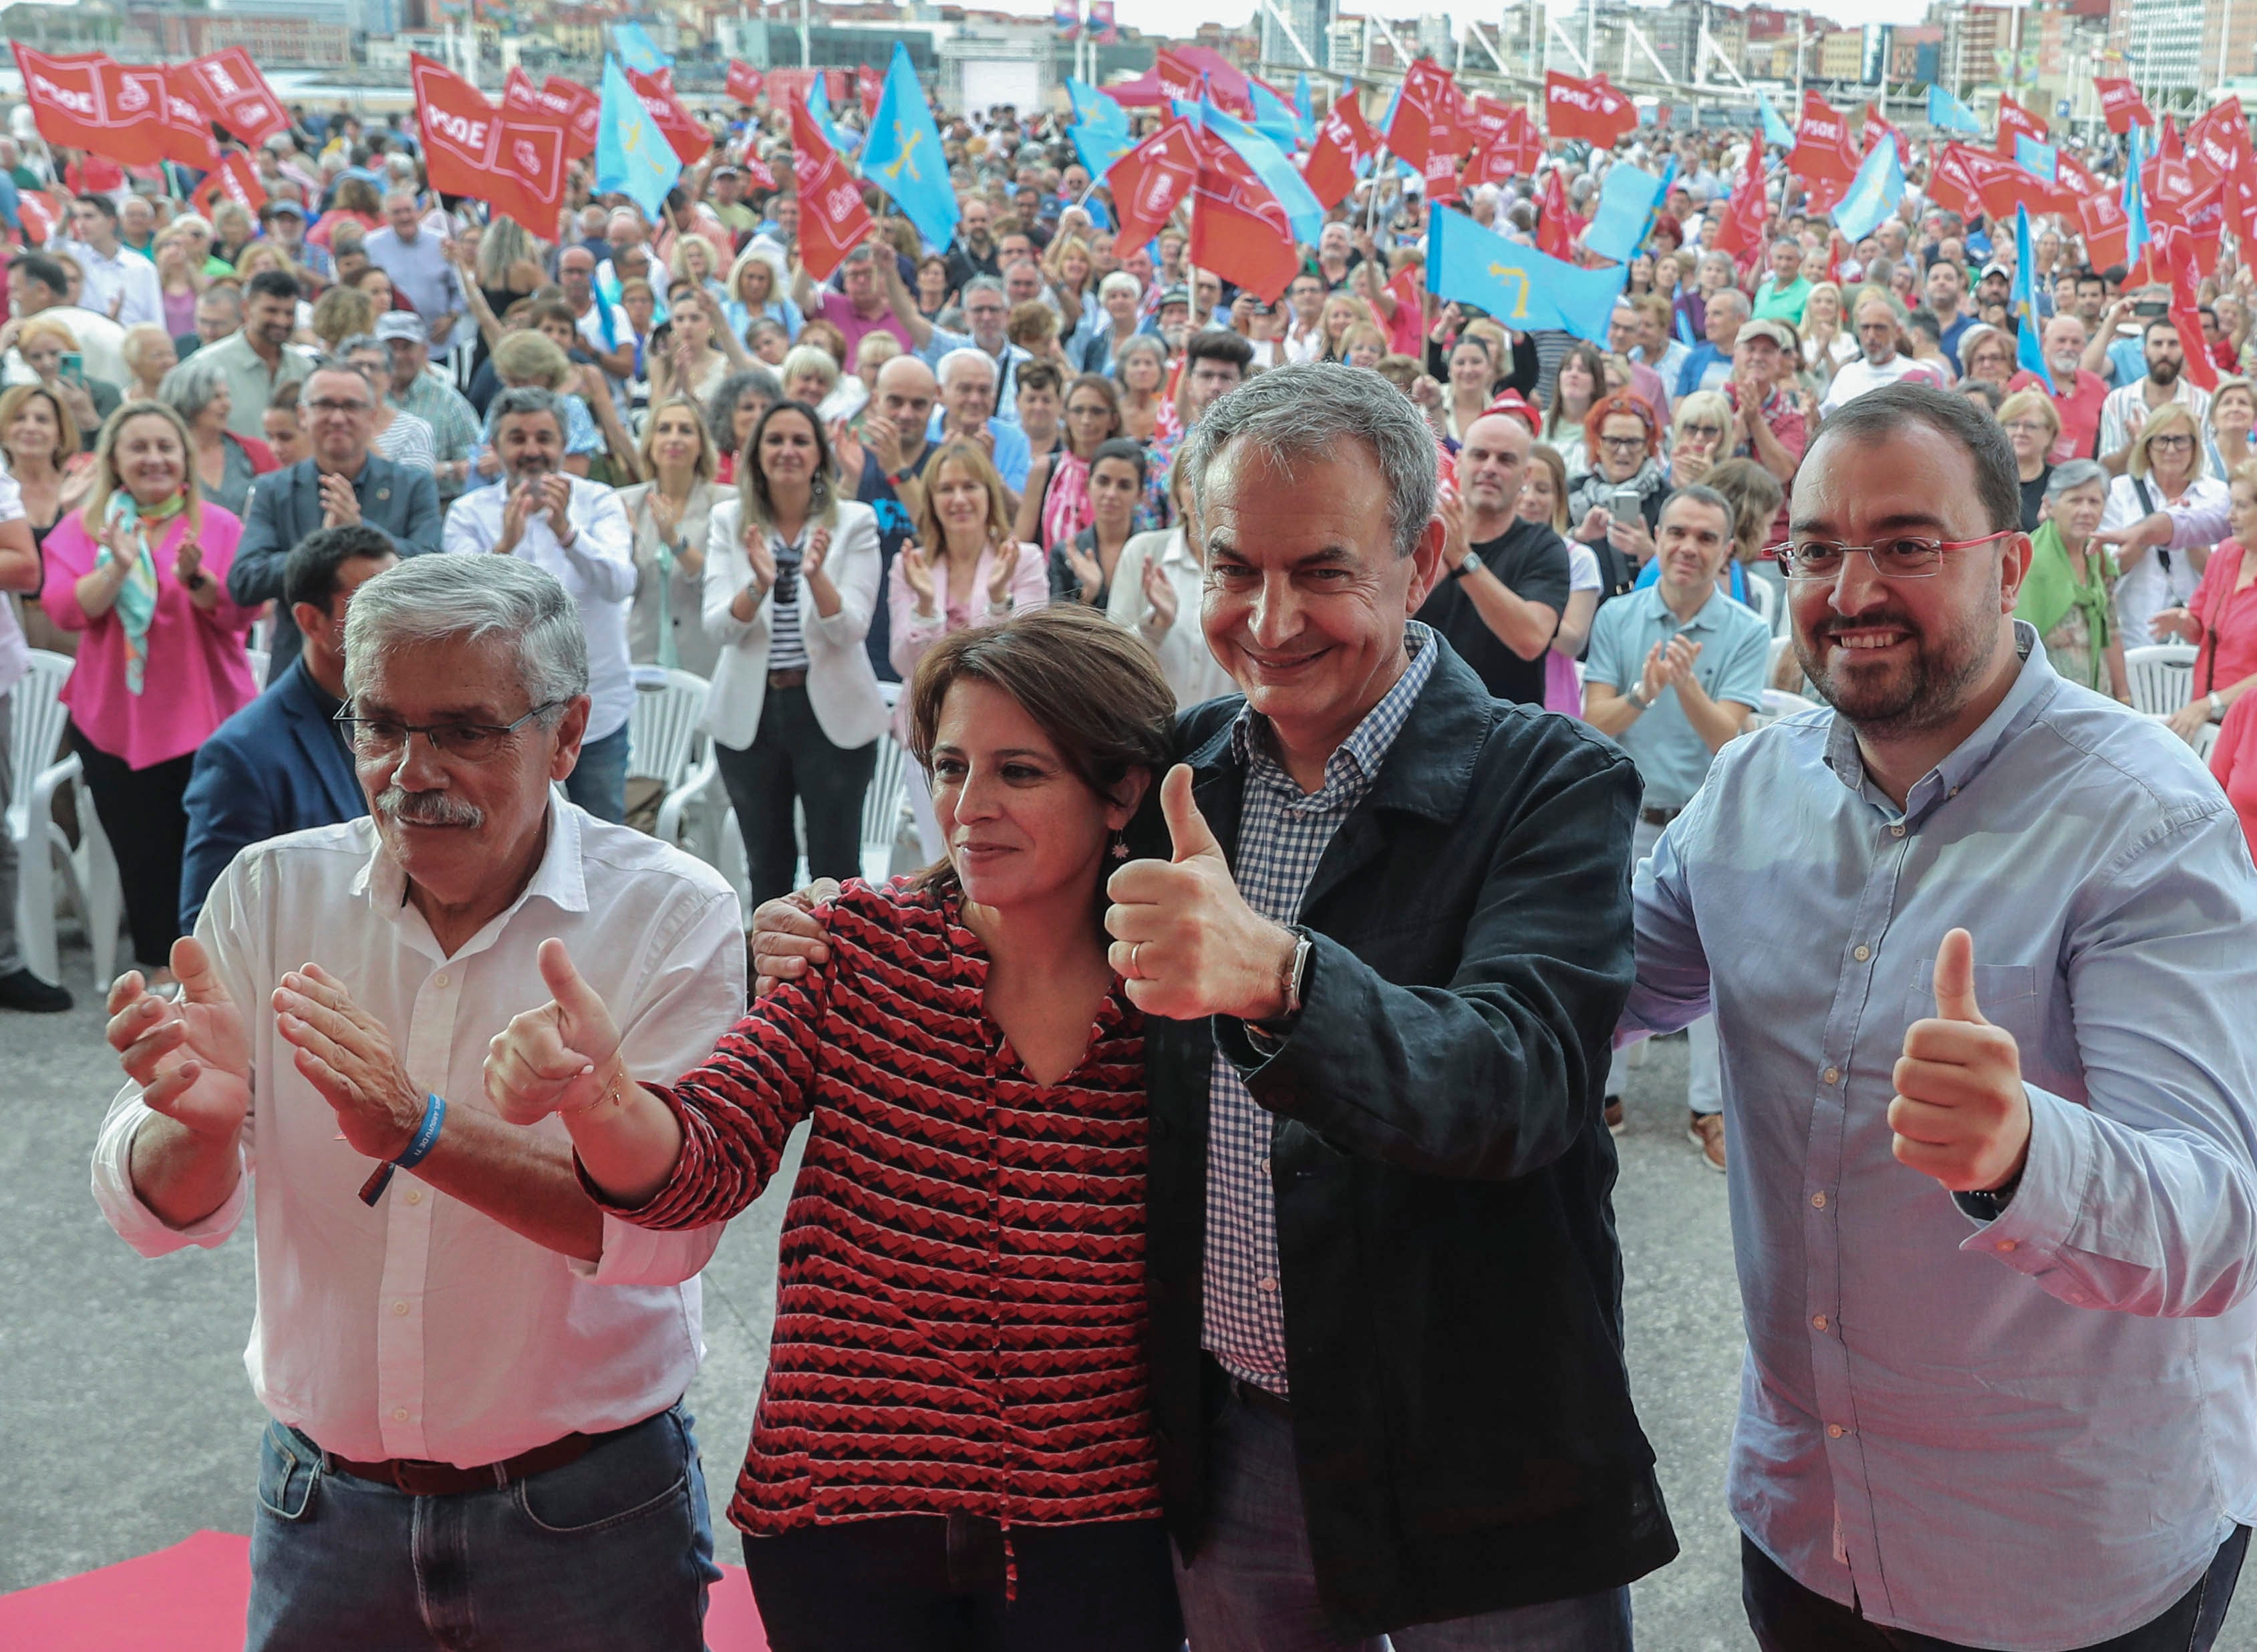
2071	474
1120	281
721	406
970	355
1291	413
360	342
473	598
1733	297
519	399
192	386
991	284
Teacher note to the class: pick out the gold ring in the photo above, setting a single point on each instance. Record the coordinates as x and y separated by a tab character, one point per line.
1136	972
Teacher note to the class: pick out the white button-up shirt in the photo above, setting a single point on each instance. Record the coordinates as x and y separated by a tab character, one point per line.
424	1328
597	568
126	279
15	652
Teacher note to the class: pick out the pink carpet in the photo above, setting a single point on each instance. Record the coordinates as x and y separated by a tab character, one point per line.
190	1597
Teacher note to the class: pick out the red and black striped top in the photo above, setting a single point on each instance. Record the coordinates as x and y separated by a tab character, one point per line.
961	1305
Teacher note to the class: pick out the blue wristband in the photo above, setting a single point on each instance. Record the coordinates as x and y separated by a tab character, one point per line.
418	1149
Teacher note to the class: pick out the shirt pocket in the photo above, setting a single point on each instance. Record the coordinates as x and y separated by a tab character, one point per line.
2006	994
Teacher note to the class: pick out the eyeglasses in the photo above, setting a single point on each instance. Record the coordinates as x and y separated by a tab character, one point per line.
465	742
1626	444
1698	430
1907	558
2169	442
2026	426
330	406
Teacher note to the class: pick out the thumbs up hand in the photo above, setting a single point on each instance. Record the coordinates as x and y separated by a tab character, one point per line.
1184	938
558	1058
1960	1112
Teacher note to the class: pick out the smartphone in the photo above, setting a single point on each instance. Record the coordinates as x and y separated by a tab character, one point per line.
2145	309
73	371
1625	505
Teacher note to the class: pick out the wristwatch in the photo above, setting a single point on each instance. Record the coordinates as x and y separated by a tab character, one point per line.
1471	564
2216	708
1636	697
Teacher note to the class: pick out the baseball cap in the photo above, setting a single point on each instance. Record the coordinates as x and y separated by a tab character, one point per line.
402	324
278	206
1511	405
1177	295
1770	329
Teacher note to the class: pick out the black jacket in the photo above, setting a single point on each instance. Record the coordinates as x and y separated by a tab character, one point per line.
1452	1279
286	505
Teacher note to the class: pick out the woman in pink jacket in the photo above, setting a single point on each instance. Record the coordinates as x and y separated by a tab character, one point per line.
965	567
141	570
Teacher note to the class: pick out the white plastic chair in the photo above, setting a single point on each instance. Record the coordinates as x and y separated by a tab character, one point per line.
1777	703
2161	676
665	744
1764	600
261	663
2206	739
46	864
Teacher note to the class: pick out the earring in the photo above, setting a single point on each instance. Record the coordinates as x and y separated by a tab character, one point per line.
1120	849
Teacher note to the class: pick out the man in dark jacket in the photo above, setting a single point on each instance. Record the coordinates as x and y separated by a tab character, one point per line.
1384	961
282	765
342	484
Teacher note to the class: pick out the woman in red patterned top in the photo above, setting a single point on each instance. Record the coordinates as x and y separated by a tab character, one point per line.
952	1448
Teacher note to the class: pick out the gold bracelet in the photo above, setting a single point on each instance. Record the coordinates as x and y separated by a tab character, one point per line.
613	1093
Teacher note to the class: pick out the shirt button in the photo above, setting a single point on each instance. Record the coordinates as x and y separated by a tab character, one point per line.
1818	1201
1897	830
399	1414
1833	1430
1818	1323
2005	1245
415	1196
1268	1281
398	1308
1832	1075
1862	954
440	979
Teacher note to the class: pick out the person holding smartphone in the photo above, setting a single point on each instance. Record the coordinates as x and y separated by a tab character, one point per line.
1619	503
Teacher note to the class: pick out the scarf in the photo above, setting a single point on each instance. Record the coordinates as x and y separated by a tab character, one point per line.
1065	509
136	598
2053	588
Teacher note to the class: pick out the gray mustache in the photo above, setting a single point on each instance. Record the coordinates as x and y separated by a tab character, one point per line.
428	808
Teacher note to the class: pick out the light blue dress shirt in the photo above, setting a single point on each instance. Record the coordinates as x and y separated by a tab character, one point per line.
1671	757
2032	1433
1013	457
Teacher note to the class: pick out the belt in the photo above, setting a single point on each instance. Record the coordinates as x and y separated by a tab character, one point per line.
796	678
1252	1393
1659	816
419	1479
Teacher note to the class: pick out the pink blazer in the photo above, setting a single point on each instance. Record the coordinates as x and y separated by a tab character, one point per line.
197	676
910	636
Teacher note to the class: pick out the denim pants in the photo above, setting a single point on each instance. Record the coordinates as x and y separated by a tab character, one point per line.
932	1582
1704	1072
1789	1618
598	781
1252	1587
613	1551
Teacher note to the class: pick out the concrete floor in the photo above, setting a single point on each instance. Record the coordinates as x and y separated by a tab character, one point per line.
129	1423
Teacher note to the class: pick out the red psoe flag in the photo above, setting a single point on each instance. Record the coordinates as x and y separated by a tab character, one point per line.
2073	176
1513	152
1178	78
1427	117
1741	235
1329	168
511	157
1557	226
869	86
236	94
1440	175
685	133
1590	110
1149	181
581	109
2107	231
1949	184
188	136
2015	121
1239	226
233	180
1822	153
70	104
745	82
832	215
2121	105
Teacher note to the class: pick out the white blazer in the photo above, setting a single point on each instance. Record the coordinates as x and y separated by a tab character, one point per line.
842	685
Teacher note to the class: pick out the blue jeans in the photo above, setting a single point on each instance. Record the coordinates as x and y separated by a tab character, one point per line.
613	1551
1253	1587
598	781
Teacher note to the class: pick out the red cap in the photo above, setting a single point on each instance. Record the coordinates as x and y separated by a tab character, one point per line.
1514	406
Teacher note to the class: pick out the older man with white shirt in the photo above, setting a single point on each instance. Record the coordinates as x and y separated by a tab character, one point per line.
540	513
474	1376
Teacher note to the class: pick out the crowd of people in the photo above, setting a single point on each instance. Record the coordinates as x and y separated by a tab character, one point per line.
1330	730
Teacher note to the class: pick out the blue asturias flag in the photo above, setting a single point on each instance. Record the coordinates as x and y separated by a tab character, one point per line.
636	49
633	156
1775	130
1269	164
1272	119
1305	108
1626	200
901	155
2029	349
2135	194
2033	156
1520	286
1949	113
1874	191
1101	130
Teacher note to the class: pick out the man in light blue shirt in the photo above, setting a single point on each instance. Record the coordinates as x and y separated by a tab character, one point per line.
967	409
1675	671
1994	1205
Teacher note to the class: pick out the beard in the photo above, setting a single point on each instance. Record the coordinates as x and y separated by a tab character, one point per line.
1924	692
2164	372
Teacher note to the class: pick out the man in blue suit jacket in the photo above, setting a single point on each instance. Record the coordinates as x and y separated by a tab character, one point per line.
343	483
280	764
